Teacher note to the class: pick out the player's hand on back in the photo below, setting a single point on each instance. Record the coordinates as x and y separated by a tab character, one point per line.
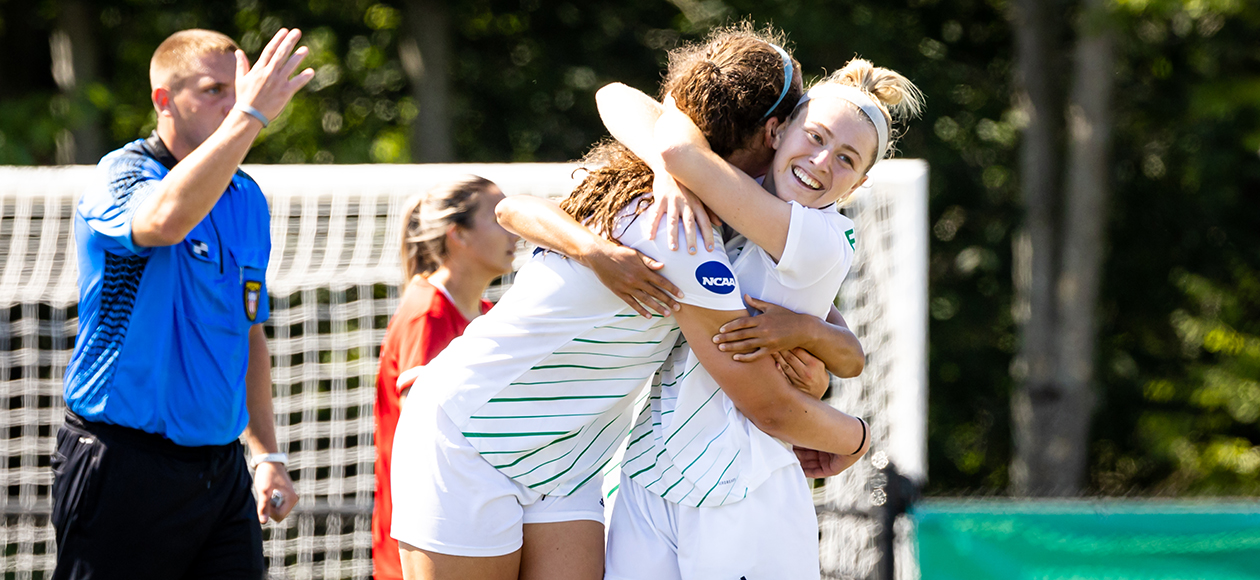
274	491
633	277
805	371
672	200
776	329
820	464
267	85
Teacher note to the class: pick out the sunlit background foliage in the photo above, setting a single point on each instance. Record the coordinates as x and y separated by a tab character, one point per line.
1179	358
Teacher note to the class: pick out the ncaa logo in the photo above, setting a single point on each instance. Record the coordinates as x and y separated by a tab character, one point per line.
716	277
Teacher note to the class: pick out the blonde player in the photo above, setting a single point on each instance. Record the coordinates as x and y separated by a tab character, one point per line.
496	471
700	480
704	465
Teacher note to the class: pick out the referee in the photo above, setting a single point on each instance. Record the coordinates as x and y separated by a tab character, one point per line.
171	364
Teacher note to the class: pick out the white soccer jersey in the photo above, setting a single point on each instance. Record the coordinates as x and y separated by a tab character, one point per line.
689	444
542	385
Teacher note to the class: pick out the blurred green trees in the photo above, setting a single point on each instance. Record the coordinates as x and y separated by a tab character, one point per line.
1178	357
523	75
1185	250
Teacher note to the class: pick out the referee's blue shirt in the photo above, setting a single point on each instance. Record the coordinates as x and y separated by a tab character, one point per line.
163	343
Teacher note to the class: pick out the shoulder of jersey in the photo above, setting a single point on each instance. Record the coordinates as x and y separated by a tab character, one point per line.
131	154
246	179
421	296
840	217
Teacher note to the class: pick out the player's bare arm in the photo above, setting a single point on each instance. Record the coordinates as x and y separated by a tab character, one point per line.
734	196
629	274
186	195
778	329
807	373
630	116
669	142
272	485
765	395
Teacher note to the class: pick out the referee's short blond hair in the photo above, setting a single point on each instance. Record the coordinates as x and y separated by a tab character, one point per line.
175	59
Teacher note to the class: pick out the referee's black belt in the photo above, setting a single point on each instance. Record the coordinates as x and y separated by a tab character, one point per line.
149	441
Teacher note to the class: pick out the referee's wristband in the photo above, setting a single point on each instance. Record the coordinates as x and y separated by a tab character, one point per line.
281	458
255	113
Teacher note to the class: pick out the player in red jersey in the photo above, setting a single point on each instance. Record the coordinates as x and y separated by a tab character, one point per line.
452	248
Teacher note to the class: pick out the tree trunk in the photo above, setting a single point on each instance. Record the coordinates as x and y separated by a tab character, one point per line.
1089	130
425	54
73	46
6	82
1059	257
1036	37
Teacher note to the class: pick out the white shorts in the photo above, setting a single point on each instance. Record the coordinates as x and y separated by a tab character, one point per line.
773	533
449	500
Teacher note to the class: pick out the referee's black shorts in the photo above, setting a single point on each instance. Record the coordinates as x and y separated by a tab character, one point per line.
130	504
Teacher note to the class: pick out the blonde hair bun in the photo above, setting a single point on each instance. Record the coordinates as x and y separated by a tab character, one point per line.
893	91
897	98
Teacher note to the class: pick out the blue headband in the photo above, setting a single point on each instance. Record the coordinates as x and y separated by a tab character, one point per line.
787	79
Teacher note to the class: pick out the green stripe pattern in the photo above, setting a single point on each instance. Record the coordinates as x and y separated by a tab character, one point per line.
689	445
557	425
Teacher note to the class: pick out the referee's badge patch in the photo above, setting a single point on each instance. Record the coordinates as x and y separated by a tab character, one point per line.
253	291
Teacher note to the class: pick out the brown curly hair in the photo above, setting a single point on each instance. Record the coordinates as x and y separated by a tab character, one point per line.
726	85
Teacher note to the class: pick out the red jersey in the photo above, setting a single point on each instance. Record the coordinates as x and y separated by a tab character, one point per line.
425	322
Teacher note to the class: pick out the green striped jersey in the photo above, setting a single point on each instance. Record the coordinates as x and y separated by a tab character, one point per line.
542	385
689	444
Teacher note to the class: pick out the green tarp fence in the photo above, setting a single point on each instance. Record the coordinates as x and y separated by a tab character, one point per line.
1088	540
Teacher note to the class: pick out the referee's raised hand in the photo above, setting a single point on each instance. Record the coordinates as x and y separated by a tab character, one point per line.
269	85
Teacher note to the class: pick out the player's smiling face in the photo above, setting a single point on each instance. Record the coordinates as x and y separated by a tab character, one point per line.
821	155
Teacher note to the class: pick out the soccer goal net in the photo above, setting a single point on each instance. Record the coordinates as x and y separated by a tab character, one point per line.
333	284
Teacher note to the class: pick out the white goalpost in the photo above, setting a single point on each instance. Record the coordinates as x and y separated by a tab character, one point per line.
333	283
862	526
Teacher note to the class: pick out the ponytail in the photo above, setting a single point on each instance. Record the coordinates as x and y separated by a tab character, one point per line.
430	215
